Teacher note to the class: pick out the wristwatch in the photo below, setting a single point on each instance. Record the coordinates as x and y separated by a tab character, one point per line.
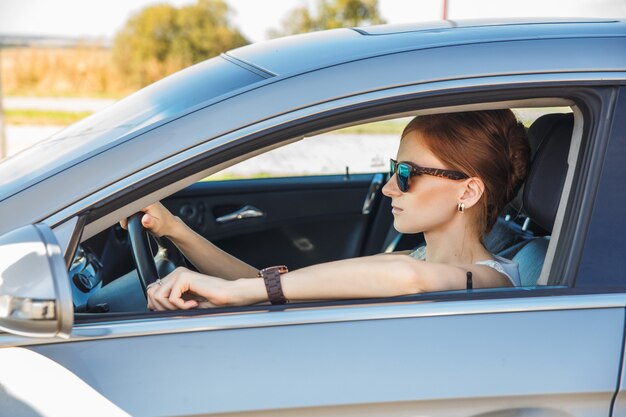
271	278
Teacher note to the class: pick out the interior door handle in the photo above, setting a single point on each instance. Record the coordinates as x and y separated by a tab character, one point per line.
377	181
246	212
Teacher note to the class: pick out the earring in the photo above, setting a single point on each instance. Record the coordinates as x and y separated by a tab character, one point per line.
461	207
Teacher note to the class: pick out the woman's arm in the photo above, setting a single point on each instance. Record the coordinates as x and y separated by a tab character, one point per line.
207	257
382	276
368	277
204	255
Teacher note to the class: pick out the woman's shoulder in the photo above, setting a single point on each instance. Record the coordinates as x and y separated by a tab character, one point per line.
504	266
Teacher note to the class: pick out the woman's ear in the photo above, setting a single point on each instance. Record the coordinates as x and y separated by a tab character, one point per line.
472	190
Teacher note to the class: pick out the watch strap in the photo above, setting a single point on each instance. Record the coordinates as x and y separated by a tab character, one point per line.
273	286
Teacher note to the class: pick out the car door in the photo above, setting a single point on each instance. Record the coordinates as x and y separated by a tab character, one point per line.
298	221
542	355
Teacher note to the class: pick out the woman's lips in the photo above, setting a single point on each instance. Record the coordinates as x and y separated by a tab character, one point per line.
396	210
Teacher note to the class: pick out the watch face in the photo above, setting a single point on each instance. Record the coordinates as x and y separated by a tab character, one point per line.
281	269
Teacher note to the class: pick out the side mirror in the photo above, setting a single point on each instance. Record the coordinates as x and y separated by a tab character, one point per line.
35	293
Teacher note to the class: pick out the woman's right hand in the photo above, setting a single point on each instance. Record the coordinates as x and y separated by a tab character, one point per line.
157	219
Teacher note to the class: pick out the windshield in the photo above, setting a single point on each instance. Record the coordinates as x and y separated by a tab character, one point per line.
174	95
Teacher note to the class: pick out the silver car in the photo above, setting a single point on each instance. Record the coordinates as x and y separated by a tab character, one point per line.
76	337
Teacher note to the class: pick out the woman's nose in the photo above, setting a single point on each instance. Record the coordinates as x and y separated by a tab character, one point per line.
391	189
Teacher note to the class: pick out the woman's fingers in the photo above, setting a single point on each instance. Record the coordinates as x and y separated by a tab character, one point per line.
163	303
156	219
148	221
169	293
180	287
153	218
184	290
150	295
158	295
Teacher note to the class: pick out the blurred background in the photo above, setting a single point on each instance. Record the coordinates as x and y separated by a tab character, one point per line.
62	60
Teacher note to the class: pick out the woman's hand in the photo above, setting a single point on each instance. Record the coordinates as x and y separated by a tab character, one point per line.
184	289
157	219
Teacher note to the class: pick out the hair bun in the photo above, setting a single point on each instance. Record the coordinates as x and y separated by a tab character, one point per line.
519	157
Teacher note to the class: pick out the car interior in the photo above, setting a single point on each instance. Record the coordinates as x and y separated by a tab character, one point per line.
318	218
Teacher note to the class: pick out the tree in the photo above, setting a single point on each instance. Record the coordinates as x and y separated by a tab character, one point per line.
162	39
330	14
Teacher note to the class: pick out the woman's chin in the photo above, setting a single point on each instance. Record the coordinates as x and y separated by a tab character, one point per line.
405	228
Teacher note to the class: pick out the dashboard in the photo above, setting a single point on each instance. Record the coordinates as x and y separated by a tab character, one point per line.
85	278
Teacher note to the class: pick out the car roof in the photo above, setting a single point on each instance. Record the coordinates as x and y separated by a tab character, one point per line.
310	51
281	66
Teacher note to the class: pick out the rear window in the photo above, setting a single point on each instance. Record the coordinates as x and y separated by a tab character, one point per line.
175	95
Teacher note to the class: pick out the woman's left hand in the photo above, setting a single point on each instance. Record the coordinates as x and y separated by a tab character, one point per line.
185	289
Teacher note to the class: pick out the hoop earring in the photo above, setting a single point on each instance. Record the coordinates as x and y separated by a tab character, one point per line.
461	207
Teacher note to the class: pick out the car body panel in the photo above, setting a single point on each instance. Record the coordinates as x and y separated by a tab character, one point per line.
298	54
342	364
604	247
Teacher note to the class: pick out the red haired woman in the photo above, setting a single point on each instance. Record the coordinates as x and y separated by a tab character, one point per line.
451	177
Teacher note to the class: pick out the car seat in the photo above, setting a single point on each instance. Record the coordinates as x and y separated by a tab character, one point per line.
542	192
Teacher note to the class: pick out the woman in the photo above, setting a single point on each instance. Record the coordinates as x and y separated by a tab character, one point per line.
455	173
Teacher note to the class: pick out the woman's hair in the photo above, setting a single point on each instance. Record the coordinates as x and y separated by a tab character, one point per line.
491	145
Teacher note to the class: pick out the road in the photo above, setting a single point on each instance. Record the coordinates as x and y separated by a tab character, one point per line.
20	137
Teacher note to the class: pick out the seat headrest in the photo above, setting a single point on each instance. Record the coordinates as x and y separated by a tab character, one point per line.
551	134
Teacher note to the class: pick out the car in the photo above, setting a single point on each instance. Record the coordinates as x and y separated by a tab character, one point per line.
76	336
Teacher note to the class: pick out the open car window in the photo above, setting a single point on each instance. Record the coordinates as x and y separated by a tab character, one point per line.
339	165
358	149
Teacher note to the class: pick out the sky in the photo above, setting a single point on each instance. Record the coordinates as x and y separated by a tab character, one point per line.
103	18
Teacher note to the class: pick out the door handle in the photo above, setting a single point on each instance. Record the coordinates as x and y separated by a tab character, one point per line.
246	212
377	180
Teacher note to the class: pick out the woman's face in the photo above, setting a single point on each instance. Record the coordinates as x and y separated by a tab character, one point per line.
431	202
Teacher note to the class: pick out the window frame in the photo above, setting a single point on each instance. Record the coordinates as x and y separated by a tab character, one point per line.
592	102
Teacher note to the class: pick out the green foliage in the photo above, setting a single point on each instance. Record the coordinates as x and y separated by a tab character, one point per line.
162	39
330	14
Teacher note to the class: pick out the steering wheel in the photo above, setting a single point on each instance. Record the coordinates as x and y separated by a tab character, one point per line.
151	268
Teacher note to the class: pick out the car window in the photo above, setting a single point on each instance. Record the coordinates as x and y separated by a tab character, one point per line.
358	149
363	148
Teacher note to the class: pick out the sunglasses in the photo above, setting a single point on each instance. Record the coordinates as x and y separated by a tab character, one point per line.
405	170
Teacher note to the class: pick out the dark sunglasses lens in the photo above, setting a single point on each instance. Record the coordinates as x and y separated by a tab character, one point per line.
404	173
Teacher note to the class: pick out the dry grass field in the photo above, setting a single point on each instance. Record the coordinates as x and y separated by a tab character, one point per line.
67	72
